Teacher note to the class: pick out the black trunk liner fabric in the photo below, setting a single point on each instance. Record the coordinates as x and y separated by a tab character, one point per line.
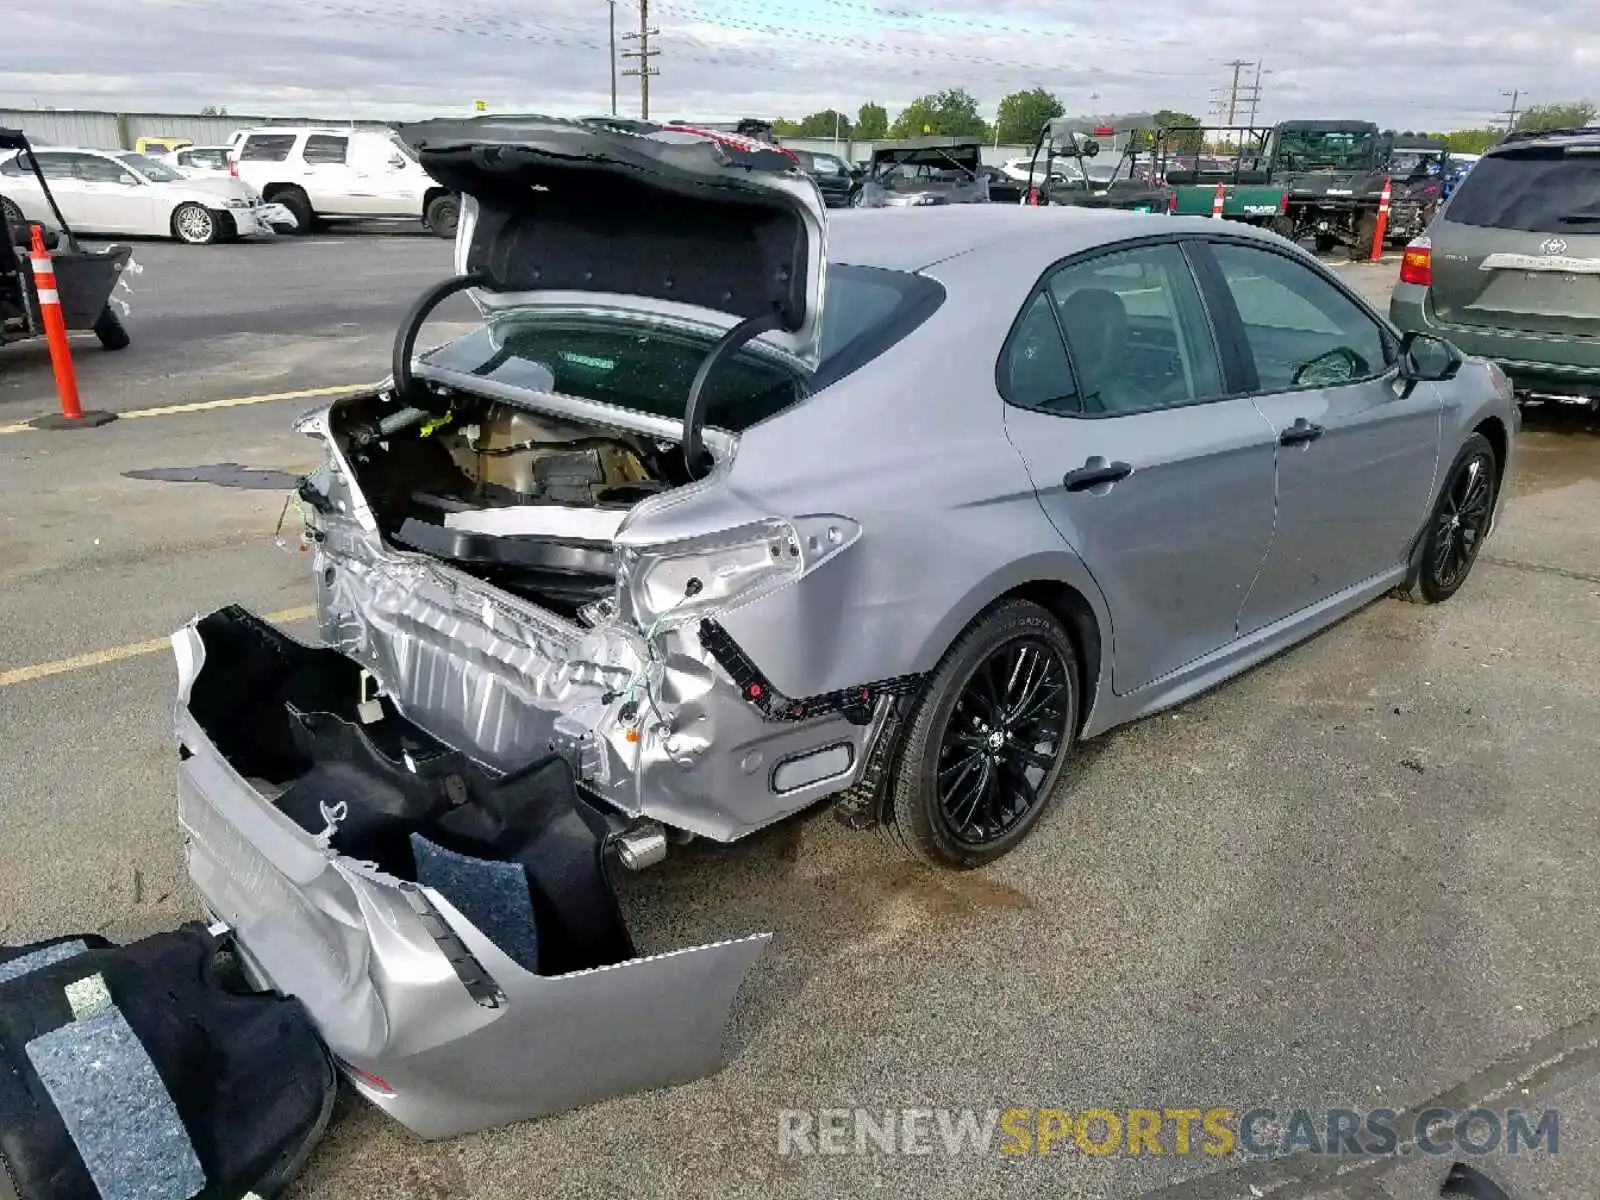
286	713
246	1071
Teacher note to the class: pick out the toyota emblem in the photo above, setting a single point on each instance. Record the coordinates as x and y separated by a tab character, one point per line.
1553	246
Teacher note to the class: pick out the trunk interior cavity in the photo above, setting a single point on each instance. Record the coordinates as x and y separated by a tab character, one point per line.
528	503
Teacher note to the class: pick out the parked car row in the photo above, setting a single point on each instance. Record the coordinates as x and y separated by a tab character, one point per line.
264	181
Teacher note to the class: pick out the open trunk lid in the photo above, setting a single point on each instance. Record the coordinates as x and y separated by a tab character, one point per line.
717	229
1519	246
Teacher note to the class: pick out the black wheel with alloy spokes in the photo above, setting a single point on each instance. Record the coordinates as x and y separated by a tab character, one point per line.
1458	524
988	741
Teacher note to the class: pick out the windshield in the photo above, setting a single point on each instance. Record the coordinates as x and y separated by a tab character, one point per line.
1310	149
647	369
1548	190
1414	160
155	172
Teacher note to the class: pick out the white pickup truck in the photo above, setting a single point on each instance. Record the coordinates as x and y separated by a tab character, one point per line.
328	174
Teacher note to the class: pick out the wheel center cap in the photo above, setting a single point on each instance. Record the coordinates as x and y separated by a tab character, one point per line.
997	739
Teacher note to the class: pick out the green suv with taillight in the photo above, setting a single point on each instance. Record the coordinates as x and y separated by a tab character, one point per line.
1509	270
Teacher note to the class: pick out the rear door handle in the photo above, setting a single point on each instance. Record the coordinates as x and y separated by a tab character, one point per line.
1096	470
1301	431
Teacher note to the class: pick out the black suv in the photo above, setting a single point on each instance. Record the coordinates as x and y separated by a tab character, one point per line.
835	178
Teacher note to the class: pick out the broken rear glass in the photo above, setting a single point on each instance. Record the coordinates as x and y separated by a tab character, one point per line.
650	369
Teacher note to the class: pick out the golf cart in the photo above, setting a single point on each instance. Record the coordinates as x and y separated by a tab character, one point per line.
922	171
1062	170
85	279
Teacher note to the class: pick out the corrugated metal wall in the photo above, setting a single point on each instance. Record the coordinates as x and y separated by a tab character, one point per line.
113	131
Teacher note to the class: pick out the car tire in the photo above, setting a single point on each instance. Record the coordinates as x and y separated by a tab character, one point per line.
109	329
1325	242
1366	231
1457	525
10	214
966	822
1282	226
442	215
195	225
299	206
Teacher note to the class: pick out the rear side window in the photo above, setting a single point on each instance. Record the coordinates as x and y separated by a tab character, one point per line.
1537	190
324	148
867	310
266	147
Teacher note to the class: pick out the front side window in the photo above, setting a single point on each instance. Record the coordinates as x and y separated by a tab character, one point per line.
1136	337
93	169
324	148
152	169
1302	330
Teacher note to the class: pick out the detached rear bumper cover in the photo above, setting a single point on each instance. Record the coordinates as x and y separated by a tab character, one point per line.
444	1030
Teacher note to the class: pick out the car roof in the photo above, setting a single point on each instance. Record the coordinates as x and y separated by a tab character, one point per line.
1578	133
913	239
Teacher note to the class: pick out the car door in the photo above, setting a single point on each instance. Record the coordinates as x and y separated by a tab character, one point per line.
1357	447
1146	456
116	199
384	181
57	166
329	180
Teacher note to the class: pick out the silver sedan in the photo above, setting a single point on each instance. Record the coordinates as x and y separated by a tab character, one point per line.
891	509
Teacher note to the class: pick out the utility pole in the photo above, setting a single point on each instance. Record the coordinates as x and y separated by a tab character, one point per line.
613	57
1253	94
1238	65
644	54
1514	94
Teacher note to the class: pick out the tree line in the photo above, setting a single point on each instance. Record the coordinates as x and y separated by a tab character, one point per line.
1019	117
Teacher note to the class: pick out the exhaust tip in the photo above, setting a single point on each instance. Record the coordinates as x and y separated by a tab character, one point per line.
642	846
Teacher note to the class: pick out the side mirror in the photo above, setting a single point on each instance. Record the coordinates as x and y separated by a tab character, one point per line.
1090	148
1336	366
1428	359
129	180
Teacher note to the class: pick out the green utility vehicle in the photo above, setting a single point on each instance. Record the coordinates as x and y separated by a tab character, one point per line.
1062	170
1192	176
1334	172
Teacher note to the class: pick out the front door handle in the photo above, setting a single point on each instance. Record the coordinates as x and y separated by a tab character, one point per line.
1301	431
1096	470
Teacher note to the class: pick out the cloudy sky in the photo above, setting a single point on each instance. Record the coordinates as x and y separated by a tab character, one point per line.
722	59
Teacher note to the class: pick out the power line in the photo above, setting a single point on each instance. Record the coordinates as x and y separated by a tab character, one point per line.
644	54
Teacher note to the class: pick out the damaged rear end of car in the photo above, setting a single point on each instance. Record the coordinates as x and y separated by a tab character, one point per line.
522	543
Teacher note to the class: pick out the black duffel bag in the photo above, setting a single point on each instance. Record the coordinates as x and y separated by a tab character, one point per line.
152	1071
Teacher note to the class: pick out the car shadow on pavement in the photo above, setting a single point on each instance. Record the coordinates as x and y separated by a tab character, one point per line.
824	891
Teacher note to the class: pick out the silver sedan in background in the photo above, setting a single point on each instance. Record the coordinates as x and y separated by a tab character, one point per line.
121	192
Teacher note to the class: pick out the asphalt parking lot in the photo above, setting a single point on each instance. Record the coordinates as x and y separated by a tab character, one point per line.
1360	876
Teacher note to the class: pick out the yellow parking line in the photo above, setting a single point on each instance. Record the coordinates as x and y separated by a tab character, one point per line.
167	410
99	658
